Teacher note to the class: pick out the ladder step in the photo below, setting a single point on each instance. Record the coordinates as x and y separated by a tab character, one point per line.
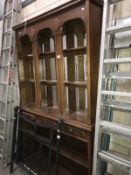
3	118
2	67
114	1
3	83
121	47
119	75
116	93
1	136
6	84
5	49
117	105
3	100
118	61
8	14
120	28
7	31
110	127
116	158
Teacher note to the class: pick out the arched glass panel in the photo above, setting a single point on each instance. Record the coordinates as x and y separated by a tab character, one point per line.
26	73
47	69
75	66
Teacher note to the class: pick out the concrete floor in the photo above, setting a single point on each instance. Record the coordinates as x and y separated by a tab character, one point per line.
17	171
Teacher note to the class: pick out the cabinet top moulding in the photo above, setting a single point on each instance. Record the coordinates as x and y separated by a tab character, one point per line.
55	11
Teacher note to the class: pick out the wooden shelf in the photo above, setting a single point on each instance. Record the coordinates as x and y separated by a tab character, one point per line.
74	155
27	81
76	83
66	151
31	80
51	82
47	55
74	136
74	51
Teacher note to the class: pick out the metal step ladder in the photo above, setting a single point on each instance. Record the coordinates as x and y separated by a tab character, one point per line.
110	97
9	91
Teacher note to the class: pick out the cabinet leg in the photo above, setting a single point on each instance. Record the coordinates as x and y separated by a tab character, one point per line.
90	152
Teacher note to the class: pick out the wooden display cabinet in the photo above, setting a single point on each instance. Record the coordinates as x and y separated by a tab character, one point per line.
58	58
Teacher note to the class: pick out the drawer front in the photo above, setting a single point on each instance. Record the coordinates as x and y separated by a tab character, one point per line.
78	133
75	132
45	121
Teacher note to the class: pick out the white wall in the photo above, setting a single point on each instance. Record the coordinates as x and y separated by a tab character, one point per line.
39	7
34	9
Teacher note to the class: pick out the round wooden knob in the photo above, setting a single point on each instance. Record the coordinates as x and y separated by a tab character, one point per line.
58	56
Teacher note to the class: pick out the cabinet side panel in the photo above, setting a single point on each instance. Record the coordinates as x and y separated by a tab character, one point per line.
95	17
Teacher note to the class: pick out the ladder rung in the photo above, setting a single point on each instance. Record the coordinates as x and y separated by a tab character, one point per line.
32	80
117	105
116	158
110	127
116	93
8	14
118	75
8	66
120	28
3	100
121	47
114	1
2	67
3	115
3	119
7	31
118	61
1	136
4	49
3	83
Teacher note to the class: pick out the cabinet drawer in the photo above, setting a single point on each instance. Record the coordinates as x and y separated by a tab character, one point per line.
44	120
75	132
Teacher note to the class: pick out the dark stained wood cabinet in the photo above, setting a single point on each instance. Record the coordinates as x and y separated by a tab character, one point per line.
58	58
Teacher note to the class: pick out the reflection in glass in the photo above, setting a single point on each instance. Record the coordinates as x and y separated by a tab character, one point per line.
75	66
26	73
47	68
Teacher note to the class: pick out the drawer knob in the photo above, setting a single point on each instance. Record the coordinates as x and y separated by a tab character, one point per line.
58	56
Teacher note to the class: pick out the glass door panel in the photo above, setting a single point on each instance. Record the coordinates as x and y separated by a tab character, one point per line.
75	66
47	69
